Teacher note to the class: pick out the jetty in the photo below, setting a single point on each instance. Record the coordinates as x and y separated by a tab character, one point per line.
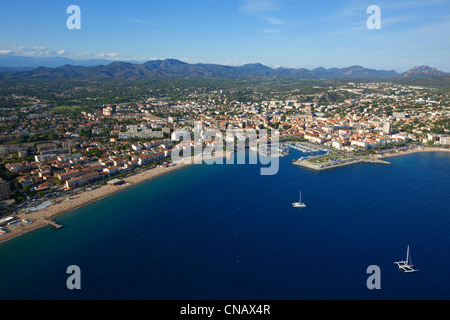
375	160
54	224
326	162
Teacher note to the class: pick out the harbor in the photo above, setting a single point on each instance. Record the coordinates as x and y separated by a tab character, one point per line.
341	159
272	151
305	147
336	160
284	149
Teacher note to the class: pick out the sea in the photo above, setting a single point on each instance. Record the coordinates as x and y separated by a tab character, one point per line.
224	232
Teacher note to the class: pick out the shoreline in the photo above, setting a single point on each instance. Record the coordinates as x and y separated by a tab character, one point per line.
379	159
63	205
417	150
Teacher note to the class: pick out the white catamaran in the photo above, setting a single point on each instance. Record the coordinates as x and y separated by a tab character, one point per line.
405	266
299	204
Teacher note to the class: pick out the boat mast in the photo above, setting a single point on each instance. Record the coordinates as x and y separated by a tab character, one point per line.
407	256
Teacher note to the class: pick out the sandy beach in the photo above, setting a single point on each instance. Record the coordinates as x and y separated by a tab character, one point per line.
416	150
69	203
64	205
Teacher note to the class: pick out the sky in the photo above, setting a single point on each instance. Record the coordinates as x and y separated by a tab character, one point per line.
277	33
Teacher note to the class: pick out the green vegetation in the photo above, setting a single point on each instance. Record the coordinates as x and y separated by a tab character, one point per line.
293	139
88	95
26	138
441	126
95	152
7	175
331	157
66	109
57	181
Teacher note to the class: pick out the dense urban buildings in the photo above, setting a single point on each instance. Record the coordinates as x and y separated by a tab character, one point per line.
49	147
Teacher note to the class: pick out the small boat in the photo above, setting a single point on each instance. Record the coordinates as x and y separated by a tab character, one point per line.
299	204
406	265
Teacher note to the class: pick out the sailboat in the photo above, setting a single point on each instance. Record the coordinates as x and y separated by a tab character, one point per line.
299	204
405	266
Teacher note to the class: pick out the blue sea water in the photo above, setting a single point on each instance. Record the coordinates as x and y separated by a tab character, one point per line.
226	232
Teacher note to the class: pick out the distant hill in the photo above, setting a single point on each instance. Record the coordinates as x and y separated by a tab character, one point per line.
354	72
12	62
175	68
13	69
439	82
424	71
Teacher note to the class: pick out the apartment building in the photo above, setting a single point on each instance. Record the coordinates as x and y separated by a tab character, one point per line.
5	191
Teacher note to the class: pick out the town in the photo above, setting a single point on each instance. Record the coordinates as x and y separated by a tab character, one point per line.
54	142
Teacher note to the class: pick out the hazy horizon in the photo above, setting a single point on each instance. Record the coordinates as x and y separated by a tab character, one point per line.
109	61
276	33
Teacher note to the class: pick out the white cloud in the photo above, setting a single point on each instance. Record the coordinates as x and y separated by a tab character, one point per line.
45	52
260	9
32	51
111	56
273	21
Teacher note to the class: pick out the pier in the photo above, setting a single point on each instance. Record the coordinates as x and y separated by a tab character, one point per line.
330	165
321	163
54	224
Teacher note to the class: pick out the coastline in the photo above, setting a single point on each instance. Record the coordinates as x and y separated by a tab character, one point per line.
63	205
417	150
69	203
378	159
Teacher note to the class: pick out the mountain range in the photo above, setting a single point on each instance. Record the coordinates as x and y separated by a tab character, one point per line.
104	69
13	62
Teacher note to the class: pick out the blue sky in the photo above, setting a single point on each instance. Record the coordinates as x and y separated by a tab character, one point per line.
288	33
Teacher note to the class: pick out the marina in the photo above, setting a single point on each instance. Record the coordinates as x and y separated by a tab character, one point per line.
305	147
284	148
272	152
